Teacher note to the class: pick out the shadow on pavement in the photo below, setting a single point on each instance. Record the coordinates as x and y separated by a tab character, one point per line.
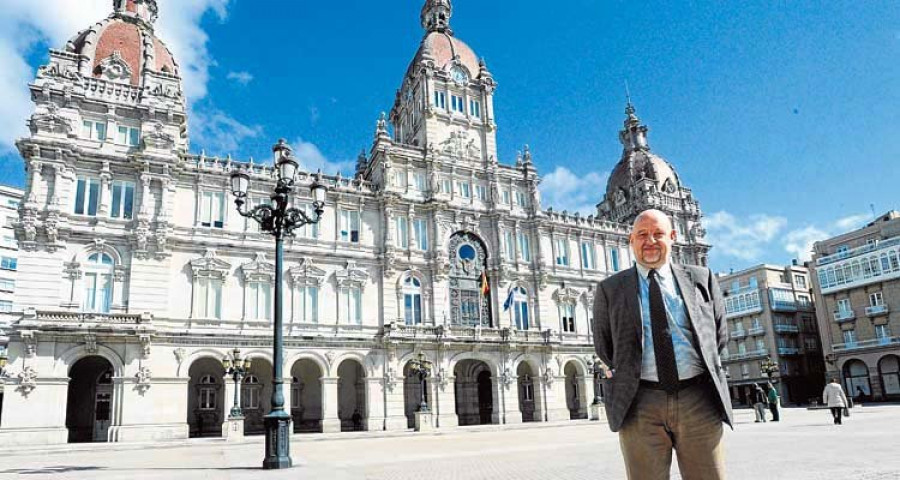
69	469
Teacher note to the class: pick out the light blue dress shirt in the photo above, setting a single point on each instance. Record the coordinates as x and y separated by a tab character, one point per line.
687	359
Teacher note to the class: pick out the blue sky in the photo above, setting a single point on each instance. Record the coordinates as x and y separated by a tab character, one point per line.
781	116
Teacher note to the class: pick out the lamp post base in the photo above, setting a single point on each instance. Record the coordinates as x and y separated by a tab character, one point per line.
278	441
233	428
424	421
596	411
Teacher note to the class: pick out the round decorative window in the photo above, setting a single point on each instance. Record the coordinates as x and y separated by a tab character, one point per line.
466	252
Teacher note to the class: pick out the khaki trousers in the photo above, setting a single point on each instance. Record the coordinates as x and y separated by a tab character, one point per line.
688	421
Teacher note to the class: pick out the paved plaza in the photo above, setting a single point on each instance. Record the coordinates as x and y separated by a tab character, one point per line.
803	446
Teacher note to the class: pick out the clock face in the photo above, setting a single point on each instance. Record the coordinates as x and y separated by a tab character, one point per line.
459	75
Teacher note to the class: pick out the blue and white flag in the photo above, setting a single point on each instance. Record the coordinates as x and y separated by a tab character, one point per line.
509	300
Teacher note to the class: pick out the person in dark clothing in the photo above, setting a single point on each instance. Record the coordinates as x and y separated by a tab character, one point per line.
773	402
759	403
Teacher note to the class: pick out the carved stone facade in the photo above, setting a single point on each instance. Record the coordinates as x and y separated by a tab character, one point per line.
135	260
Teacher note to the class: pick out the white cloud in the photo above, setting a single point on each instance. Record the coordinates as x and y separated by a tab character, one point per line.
799	242
851	222
29	24
244	78
564	190
312	159
216	132
744	238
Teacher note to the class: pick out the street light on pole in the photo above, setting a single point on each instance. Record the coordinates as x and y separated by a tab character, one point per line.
421	368
597	370
280	221
768	367
237	368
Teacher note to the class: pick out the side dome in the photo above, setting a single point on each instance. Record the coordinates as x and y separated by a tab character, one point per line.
640	165
123	46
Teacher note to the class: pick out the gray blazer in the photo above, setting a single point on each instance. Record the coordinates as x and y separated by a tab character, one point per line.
618	334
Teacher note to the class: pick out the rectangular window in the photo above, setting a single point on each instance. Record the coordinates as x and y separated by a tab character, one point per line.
800	280
412	308
850	337
308	308
456	104
464	190
844	305
447	186
351	307
475	108
562	252
882	332
208	298
506	197
7	285
212	209
440	100
567	313
419	181
614	259
310	230
260	298
521	200
524	246
876	299
481	192
6	306
207	398
587	256
402	232
122	200
9	263
12	203
421	231
350	226
129	136
92	130
87	196
400	179
745	370
509	245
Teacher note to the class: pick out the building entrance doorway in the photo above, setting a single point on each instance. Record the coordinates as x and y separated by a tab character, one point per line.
90	399
474	392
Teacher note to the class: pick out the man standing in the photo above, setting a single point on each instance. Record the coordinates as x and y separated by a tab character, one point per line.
660	329
774	401
834	397
759	403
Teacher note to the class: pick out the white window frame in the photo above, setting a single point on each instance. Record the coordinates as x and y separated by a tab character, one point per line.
6	306
474	108
121	192
259	300
614	260
402	225
520	198
211	213
250	390
562	252
208	297
412	301
440	100
587	256
128	135
351	301
90	196
509	244
350	219
308	298
7	285
481	192
568	317
97	130
207	395
98	283
524	246
465	190
457	103
419	181
420	226
843	305
876	299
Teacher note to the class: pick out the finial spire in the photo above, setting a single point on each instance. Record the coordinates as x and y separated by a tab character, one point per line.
634	135
436	16
145	10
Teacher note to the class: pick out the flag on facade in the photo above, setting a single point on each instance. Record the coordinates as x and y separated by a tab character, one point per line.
485	288
509	300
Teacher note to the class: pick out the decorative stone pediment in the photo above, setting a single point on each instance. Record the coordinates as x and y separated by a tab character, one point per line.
210	265
352	276
259	270
115	69
459	145
158	138
566	295
50	121
306	274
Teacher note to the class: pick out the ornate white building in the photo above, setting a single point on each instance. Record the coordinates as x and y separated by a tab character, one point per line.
137	275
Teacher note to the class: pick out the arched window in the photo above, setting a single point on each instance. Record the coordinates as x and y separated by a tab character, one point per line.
250	393
207	397
98	278
412	300
520	308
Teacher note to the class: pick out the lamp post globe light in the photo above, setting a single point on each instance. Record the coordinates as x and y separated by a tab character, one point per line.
237	368
769	368
421	368
279	220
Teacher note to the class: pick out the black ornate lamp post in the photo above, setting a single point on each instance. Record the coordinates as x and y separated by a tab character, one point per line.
279	220
421	368
597	371
237	368
769	367
3	361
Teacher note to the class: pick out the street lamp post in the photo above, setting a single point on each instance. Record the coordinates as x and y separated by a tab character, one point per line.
280	221
3	361
237	368
597	371
769	367
421	368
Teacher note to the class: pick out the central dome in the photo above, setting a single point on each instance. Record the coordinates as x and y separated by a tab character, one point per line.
446	50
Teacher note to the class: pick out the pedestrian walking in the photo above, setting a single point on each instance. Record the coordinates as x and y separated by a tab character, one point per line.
773	402
759	403
834	397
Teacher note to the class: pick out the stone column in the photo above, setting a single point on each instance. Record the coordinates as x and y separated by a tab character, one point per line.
510	395
555	391
375	410
330	421
444	404
395	404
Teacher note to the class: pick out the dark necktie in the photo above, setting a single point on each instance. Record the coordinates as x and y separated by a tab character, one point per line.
662	337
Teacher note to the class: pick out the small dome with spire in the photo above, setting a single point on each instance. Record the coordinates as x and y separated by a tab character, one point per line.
123	46
439	44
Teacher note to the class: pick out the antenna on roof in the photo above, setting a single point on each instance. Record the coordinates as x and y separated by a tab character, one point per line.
872	206
627	94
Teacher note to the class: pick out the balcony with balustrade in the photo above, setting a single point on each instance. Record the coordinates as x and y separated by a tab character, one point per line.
738	334
788	351
873	343
842	316
754	331
876	310
786	328
732	357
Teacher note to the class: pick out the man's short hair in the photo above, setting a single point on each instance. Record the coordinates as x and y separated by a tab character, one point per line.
652	212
